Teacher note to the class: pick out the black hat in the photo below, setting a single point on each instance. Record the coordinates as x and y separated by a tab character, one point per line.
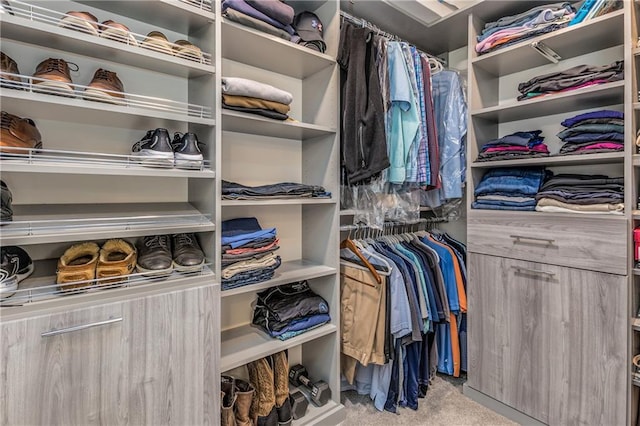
308	26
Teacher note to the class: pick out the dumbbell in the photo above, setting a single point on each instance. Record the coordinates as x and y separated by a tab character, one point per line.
299	404
320	391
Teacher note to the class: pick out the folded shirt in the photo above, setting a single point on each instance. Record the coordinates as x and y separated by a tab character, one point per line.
268	113
236	283
591	128
486	206
524	16
555	206
247	9
256	24
254	89
517	138
248	102
232	190
265	261
526	181
593	115
275	9
593	137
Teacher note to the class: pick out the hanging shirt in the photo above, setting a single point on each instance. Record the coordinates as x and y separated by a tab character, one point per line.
412	161
424	169
404	117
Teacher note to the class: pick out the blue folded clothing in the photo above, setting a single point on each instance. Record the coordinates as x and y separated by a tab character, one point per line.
510	181
241	231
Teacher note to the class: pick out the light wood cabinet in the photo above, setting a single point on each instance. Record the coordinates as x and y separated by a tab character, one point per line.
547	340
149	360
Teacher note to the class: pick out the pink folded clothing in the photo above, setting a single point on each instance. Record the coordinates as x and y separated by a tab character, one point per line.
516	148
253	250
603	145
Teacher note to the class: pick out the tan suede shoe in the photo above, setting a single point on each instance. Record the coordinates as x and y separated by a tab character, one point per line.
184	49
157	41
117	259
78	263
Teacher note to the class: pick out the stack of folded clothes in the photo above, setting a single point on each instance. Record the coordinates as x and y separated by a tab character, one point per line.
516	145
509	189
289	310
592	132
236	191
247	253
269	16
513	29
241	94
589	194
572	79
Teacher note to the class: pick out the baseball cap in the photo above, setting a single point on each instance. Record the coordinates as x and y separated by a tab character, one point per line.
308	26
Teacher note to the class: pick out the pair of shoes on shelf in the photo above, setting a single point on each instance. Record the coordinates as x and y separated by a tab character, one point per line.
236	397
156	149
158	42
53	76
15	266
17	134
159	255
85	262
88	23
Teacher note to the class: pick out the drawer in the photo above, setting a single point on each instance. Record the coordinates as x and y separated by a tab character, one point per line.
593	243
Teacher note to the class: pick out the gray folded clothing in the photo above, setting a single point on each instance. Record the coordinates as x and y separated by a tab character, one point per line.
253	89
275	9
251	22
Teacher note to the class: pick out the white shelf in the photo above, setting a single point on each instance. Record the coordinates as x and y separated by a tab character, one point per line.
270	52
42	34
588	97
277	202
247	343
174	15
289	272
43	288
558	160
235	121
40	224
596	34
52	107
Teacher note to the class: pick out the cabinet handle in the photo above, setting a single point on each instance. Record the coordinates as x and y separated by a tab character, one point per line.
533	271
548	241
80	327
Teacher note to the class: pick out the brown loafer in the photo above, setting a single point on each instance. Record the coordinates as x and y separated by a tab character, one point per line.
80	21
184	49
157	41
17	132
8	65
78	263
117	259
113	30
105	87
53	76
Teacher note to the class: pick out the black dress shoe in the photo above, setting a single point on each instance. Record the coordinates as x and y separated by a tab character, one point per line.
187	254
154	256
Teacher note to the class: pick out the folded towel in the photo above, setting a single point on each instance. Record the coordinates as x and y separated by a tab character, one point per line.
253	89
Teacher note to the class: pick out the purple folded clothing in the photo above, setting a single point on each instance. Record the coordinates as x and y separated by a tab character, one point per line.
275	9
605	113
244	7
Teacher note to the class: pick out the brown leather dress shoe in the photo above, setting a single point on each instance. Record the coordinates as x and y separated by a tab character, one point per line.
18	132
105	87
52	76
8	65
80	21
113	30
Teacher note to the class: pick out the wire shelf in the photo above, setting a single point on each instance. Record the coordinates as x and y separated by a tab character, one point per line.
41	288
72	90
38	156
134	40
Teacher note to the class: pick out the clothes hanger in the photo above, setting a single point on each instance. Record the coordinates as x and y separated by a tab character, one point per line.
349	244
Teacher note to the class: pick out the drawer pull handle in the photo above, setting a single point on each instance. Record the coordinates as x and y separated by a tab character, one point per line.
548	241
534	271
80	327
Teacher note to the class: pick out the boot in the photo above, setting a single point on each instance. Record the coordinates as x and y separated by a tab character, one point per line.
281	384
244	396
263	405
228	400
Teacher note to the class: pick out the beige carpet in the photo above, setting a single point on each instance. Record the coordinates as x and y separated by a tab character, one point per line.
444	405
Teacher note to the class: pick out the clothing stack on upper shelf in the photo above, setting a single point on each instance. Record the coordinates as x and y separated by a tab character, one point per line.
593	132
403	315
276	191
528	144
396	101
509	189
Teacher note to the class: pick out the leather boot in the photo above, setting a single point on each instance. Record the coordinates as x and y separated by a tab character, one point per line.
227	386
264	402
244	396
281	383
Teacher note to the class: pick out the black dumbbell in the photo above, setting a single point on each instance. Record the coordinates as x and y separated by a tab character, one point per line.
299	404
320	391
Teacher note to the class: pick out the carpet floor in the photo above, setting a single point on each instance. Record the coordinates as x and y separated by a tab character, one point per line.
444	405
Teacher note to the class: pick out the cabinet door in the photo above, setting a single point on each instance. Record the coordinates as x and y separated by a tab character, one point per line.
149	360
509	334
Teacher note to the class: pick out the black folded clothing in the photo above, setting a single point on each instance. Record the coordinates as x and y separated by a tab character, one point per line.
236	191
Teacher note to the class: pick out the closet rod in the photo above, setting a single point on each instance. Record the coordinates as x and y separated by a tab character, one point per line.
391	224
364	23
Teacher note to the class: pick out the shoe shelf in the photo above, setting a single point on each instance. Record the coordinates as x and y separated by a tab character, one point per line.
176	15
596	34
39	26
90	163
235	121
277	202
289	272
247	343
40	224
270	52
588	97
55	107
558	160
43	288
